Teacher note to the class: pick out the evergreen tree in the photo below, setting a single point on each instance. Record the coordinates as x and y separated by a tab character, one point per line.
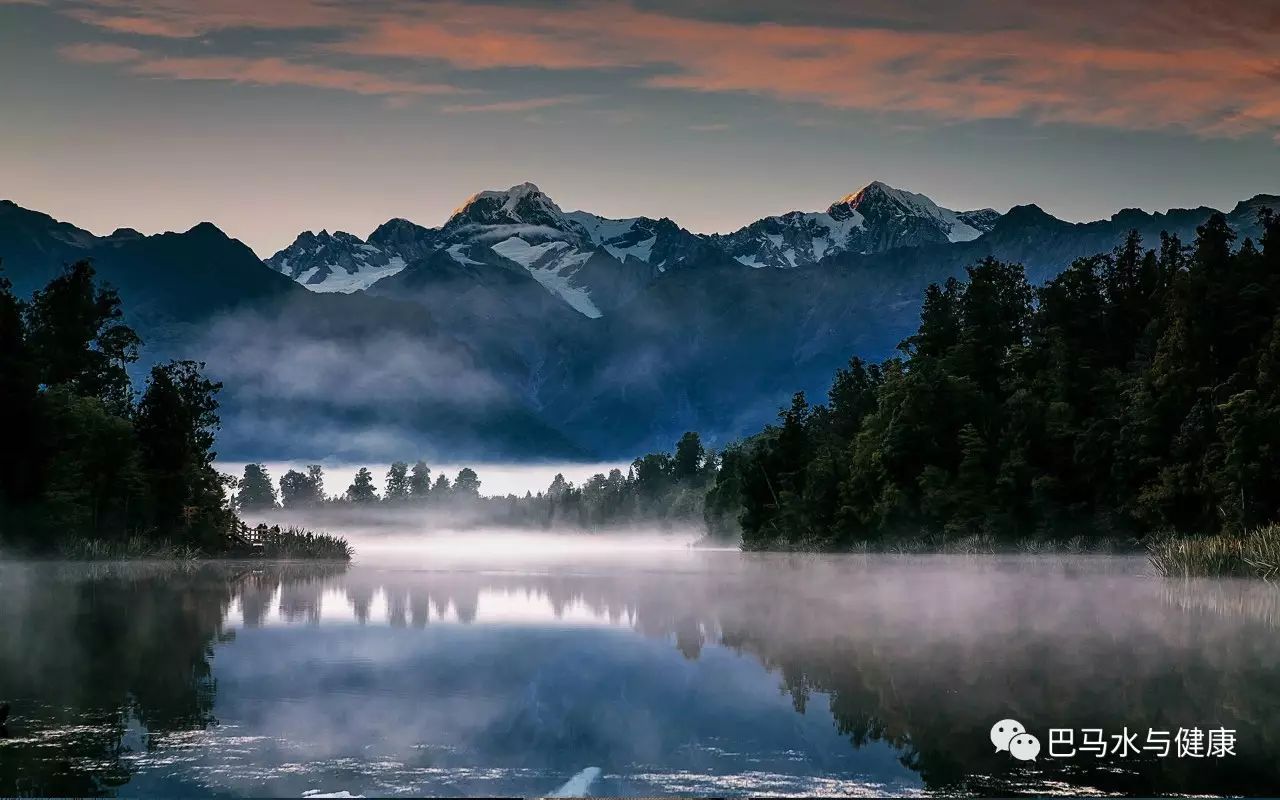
315	474
939	322
467	484
299	490
76	338
397	483
176	422
689	456
256	491
653	475
441	489
851	398
362	489
420	481
559	487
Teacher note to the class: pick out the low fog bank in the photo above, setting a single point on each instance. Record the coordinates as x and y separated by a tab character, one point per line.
413	537
656	493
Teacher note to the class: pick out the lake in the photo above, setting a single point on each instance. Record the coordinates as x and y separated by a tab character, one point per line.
510	669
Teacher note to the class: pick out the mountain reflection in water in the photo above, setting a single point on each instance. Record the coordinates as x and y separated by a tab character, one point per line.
661	669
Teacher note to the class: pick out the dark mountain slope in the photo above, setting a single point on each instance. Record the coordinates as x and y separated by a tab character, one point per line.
306	375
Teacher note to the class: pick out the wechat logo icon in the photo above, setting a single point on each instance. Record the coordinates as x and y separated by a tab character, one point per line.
1012	737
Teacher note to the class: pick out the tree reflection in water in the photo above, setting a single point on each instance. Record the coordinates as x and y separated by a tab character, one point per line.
920	654
97	654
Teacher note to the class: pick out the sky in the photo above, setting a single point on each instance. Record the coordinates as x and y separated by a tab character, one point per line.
270	117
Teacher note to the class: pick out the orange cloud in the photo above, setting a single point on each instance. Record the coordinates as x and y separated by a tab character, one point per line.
1107	63
467	37
279	72
186	19
141	26
89	53
529	104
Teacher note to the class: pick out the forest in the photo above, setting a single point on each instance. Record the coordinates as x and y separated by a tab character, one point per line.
1136	393
91	467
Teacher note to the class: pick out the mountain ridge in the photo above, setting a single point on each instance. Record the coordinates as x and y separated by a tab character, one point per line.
476	346
522	224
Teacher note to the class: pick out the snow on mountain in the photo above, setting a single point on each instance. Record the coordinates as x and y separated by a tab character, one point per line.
660	243
981	220
458	253
523	204
590	262
595	263
335	262
554	265
874	219
620	237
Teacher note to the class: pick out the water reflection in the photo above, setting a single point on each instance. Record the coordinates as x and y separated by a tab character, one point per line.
664	671
92	654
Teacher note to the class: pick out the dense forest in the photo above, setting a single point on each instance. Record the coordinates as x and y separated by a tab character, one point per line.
84	456
664	489
1136	392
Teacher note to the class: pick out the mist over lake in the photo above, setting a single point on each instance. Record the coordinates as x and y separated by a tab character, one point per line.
501	663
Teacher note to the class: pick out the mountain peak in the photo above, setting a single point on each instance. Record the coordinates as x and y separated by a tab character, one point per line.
1023	217
1256	203
879	193
514	194
207	229
522	204
873	189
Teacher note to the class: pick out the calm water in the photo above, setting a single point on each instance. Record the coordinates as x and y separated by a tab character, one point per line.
676	672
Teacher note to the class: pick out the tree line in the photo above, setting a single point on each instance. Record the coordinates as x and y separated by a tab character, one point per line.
1136	392
84	454
403	485
664	488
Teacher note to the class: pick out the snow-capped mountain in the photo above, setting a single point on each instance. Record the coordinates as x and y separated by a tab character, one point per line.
592	263
404	239
872	220
660	243
335	262
595	263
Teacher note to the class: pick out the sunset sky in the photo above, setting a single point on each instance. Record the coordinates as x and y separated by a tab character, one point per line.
268	117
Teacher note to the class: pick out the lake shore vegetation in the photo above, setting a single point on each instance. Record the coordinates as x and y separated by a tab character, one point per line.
90	467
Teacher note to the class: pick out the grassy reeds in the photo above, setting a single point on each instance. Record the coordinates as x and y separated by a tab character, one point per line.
1255	554
297	543
274	543
133	548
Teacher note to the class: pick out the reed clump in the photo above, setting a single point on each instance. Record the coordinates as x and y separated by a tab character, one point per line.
298	543
135	548
1253	554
